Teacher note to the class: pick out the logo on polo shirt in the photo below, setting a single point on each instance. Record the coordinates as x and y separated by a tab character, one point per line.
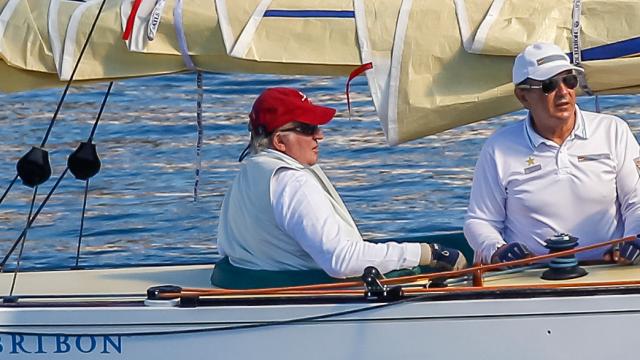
532	166
595	157
531	161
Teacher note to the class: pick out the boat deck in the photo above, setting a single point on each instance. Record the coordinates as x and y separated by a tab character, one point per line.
135	281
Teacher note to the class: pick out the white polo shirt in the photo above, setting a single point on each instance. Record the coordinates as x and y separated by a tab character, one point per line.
527	188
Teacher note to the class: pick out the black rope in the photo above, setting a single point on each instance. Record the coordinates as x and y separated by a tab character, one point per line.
199	134
64	95
104	102
8	188
24	239
247	326
55	186
86	186
33	218
245	152
84	207
73	73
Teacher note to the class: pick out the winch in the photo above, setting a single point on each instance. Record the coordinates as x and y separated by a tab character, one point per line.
562	267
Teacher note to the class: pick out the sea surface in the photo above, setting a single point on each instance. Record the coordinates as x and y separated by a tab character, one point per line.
141	207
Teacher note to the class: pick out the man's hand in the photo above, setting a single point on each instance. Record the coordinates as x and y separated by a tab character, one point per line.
441	257
510	252
627	253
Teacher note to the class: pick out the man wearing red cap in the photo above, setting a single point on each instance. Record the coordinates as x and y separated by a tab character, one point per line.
282	213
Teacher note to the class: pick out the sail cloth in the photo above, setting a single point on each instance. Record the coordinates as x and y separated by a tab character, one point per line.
436	64
109	57
609	35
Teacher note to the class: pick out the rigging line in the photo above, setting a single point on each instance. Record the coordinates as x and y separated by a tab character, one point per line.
8	188
410	278
104	103
84	208
73	73
35	215
525	261
200	132
516	270
24	239
254	325
80	296
86	187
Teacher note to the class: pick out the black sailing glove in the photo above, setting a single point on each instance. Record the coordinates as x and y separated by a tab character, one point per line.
510	252
441	257
630	251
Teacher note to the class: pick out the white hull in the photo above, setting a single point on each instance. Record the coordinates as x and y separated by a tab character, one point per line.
578	323
491	329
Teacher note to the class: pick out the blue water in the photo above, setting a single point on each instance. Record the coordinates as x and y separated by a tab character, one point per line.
141	208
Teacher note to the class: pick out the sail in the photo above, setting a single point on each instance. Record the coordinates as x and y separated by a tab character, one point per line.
436	64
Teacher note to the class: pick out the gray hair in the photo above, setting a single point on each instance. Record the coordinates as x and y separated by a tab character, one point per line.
259	142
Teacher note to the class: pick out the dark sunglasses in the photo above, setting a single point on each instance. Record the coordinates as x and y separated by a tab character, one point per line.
550	85
303	129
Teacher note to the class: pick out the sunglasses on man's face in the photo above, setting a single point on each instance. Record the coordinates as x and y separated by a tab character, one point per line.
303	129
550	85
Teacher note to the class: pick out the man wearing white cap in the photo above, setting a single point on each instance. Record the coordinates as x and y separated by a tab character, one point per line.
559	170
282	213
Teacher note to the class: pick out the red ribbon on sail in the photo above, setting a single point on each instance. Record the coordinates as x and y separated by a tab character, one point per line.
356	72
132	17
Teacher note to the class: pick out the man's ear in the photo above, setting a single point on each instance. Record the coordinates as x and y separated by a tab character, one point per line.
523	97
277	143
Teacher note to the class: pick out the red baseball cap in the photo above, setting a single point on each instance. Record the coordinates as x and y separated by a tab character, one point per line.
279	106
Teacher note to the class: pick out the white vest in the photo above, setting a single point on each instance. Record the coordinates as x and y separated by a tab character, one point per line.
248	233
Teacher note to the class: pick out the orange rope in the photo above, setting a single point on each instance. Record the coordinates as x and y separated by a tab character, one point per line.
277	290
522	287
418	291
336	288
527	261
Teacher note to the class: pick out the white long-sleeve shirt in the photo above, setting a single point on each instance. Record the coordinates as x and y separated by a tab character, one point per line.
527	188
302	210
280	215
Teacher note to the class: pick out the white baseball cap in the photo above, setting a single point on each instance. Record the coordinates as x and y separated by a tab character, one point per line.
541	61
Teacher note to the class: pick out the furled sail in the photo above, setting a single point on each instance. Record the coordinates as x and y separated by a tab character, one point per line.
436	64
